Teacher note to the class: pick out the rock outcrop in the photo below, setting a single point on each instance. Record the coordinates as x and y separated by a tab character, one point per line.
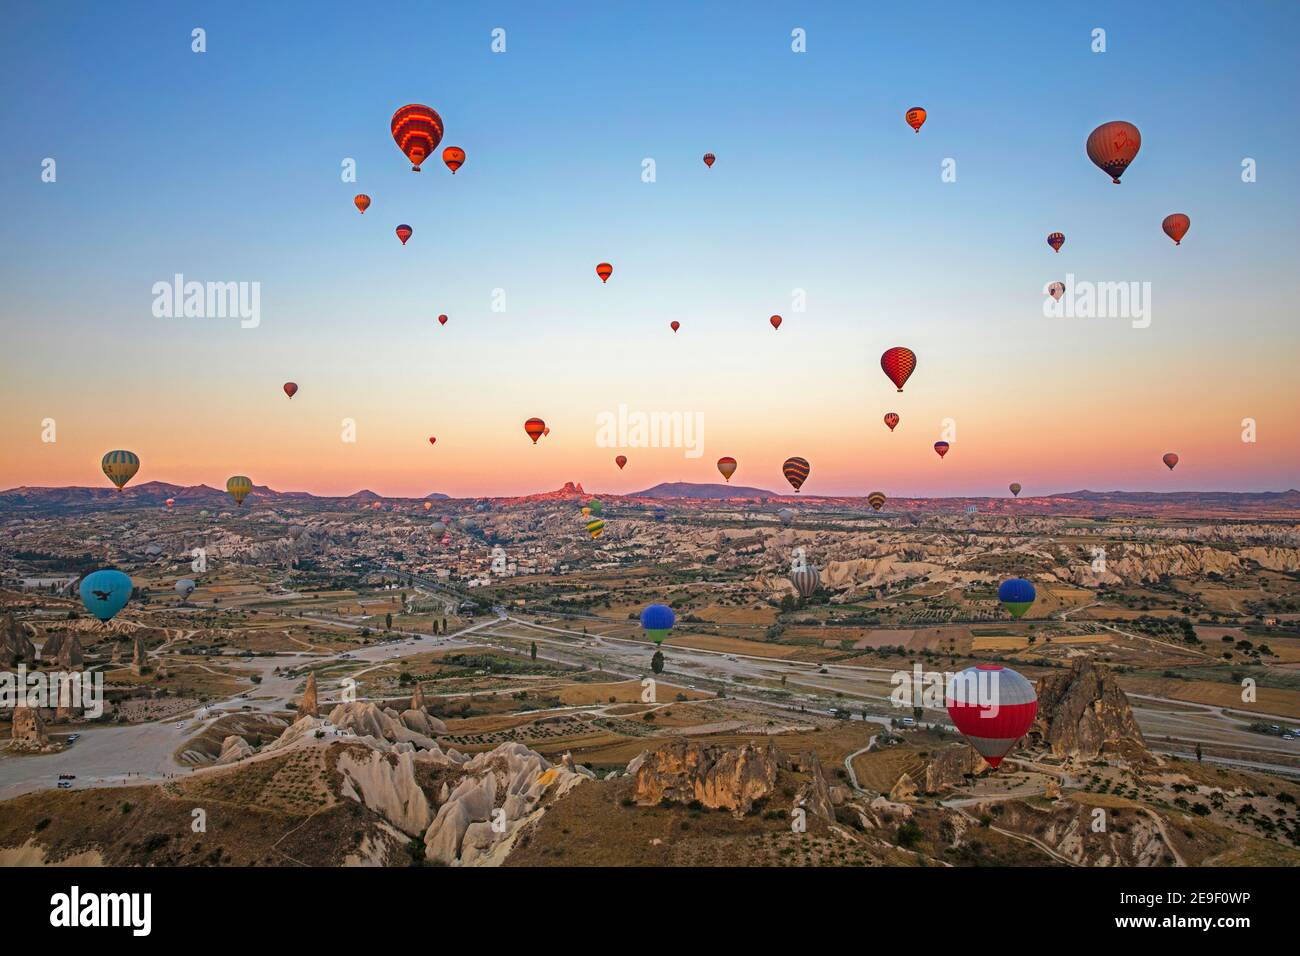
15	646
309	706
29	732
139	655
1083	713
387	784
949	767
814	796
720	778
417	699
234	749
64	649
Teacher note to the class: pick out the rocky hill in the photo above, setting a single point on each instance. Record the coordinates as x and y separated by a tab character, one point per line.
1083	713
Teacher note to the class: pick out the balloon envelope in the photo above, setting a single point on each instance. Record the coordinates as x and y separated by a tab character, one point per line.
776	321
1015	488
898	363
1056	240
915	118
1056	290
876	500
709	159
454	157
806	581
404	232
417	130
442	320
891	419
786	515
658	620
185	587
993	707
534	427
291	389
620	460
362	202
105	592
941	448
604	270
796	471
1176	227
238	486
120	467
727	466
1112	146
1016	595
1170	459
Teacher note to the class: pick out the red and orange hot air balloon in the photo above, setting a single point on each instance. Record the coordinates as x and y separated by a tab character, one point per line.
891	419
604	270
898	363
674	325
941	448
727	466
404	232
796	472
442	320
433	440
417	130
362	202
534	427
1112	146
709	159
1176	227
1056	240
291	389
454	157
620	460
915	118
776	321
1170	459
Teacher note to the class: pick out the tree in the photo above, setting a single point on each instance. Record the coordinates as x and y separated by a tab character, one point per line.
1198	753
657	662
533	651
388	621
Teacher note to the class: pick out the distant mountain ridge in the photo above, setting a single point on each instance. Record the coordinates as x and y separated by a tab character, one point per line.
690	489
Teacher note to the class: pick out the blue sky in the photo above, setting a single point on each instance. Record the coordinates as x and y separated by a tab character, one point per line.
225	166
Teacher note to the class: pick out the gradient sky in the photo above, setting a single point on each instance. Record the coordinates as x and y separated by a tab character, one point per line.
225	166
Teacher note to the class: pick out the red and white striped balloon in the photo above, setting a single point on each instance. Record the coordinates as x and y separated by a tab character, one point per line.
993	707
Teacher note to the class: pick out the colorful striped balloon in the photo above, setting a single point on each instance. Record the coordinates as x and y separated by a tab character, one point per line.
941	448
417	130
1056	240
806	581
120	467
891	419
876	500
239	486
993	707
404	232
604	270
1176	226
454	157
796	471
534	427
727	466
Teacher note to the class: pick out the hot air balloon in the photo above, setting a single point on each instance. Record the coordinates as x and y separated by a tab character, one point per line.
595	526
120	467
1056	290
915	118
170	502
1016	595
1170	460
442	320
1056	240
404	232
891	419
941	448
658	620
1176	226
796	472
417	130
1015	488
620	460
876	500
1112	146
428	506
105	592
786	515
534	427
993	707
660	513
454	157
291	389
433	440
185	587
898	363
727	467
239	487
806	581
546	431
674	325
604	270
438	528
776	321
709	159
362	202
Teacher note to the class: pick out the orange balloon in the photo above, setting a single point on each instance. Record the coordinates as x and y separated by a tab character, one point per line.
1176	227
604	270
675	325
534	427
362	201
454	157
620	460
776	321
915	118
1112	146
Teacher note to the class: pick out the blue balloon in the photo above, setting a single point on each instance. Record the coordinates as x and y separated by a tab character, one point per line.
105	592
658	617
1016	595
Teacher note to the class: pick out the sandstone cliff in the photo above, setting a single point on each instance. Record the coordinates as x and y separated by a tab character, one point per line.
1083	713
